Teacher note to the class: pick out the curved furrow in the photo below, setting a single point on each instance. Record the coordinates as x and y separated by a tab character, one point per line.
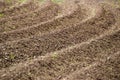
57	64
32	13
38	5
107	69
58	23
37	16
40	45
23	8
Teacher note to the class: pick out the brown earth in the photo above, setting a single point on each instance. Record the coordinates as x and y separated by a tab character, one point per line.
31	18
4	4
74	40
19	10
57	23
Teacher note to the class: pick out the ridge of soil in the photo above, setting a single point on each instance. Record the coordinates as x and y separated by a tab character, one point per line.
57	23
72	40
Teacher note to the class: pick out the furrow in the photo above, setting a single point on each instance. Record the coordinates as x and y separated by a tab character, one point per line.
35	17
57	23
107	69
40	45
57	64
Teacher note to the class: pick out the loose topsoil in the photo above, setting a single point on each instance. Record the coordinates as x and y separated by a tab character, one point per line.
72	40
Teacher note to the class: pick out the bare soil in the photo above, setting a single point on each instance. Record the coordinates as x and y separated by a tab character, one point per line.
75	40
18	10
37	29
6	4
31	18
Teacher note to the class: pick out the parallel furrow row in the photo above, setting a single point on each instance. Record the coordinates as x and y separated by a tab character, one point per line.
40	45
59	64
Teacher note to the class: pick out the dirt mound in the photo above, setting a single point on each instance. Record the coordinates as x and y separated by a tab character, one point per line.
74	40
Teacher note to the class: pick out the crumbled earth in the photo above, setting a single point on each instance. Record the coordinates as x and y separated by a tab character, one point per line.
59	40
